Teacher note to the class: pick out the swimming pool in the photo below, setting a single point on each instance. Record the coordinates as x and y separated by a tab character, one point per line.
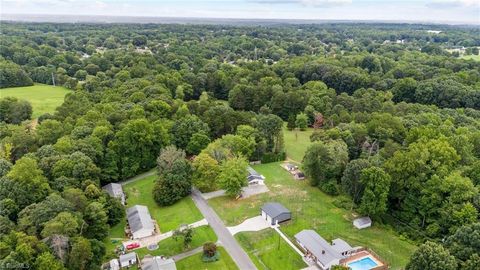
364	264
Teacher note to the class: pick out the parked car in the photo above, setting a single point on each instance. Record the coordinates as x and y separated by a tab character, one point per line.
133	245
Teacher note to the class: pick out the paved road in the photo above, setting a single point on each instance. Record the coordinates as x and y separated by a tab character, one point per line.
231	245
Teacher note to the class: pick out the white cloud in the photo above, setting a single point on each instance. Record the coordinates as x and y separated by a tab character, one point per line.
454	4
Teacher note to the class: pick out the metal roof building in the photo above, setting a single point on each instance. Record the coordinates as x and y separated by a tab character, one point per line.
158	263
275	213
115	190
140	221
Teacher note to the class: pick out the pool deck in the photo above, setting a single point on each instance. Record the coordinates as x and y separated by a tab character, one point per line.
364	254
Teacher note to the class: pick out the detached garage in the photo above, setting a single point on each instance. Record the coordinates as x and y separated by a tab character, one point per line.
275	213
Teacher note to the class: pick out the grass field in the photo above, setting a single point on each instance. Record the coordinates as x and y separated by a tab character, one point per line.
296	143
268	251
170	247
195	262
474	57
44	98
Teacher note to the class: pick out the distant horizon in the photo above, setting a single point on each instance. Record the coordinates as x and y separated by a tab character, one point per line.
420	11
99	18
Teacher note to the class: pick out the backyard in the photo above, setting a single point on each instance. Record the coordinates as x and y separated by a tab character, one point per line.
44	98
296	143
268	251
311	209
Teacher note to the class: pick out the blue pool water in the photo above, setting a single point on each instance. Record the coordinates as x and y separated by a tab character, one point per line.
363	264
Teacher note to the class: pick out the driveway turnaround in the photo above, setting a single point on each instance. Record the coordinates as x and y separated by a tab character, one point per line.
231	245
254	224
154	239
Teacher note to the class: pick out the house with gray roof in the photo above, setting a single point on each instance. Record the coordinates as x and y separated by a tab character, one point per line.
254	177
275	213
115	190
140	222
324	254
362	223
128	259
158	263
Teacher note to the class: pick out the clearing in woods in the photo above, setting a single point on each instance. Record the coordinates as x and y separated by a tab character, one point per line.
44	98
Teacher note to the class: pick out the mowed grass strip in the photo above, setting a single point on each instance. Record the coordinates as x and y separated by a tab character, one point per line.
195	262
44	98
296	143
268	251
168	217
170	247
312	209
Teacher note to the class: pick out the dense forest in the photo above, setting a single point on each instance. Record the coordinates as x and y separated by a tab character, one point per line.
396	118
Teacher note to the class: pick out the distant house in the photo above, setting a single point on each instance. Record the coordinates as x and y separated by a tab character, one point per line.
320	251
254	177
275	213
158	263
362	223
140	222
115	190
128	259
114	264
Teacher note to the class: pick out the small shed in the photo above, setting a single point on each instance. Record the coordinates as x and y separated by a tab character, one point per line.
128	259
115	190
362	223
275	213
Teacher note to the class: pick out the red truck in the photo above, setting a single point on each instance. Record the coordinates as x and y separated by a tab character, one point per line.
133	245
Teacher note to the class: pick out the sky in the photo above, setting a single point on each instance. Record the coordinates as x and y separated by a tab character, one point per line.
438	11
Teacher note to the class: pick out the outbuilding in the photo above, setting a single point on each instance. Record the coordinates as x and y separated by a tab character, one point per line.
140	222
362	223
115	190
128	259
114	264
275	213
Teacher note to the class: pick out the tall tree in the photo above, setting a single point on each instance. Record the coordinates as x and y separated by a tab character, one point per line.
431	256
233	175
375	195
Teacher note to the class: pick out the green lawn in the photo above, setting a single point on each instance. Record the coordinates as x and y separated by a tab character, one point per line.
195	262
44	98
268	251
311	209
170	247
168	218
296	143
474	57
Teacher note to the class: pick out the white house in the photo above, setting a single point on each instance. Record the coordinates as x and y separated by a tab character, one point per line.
158	263
362	223
128	259
320	251
254	178
140	222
